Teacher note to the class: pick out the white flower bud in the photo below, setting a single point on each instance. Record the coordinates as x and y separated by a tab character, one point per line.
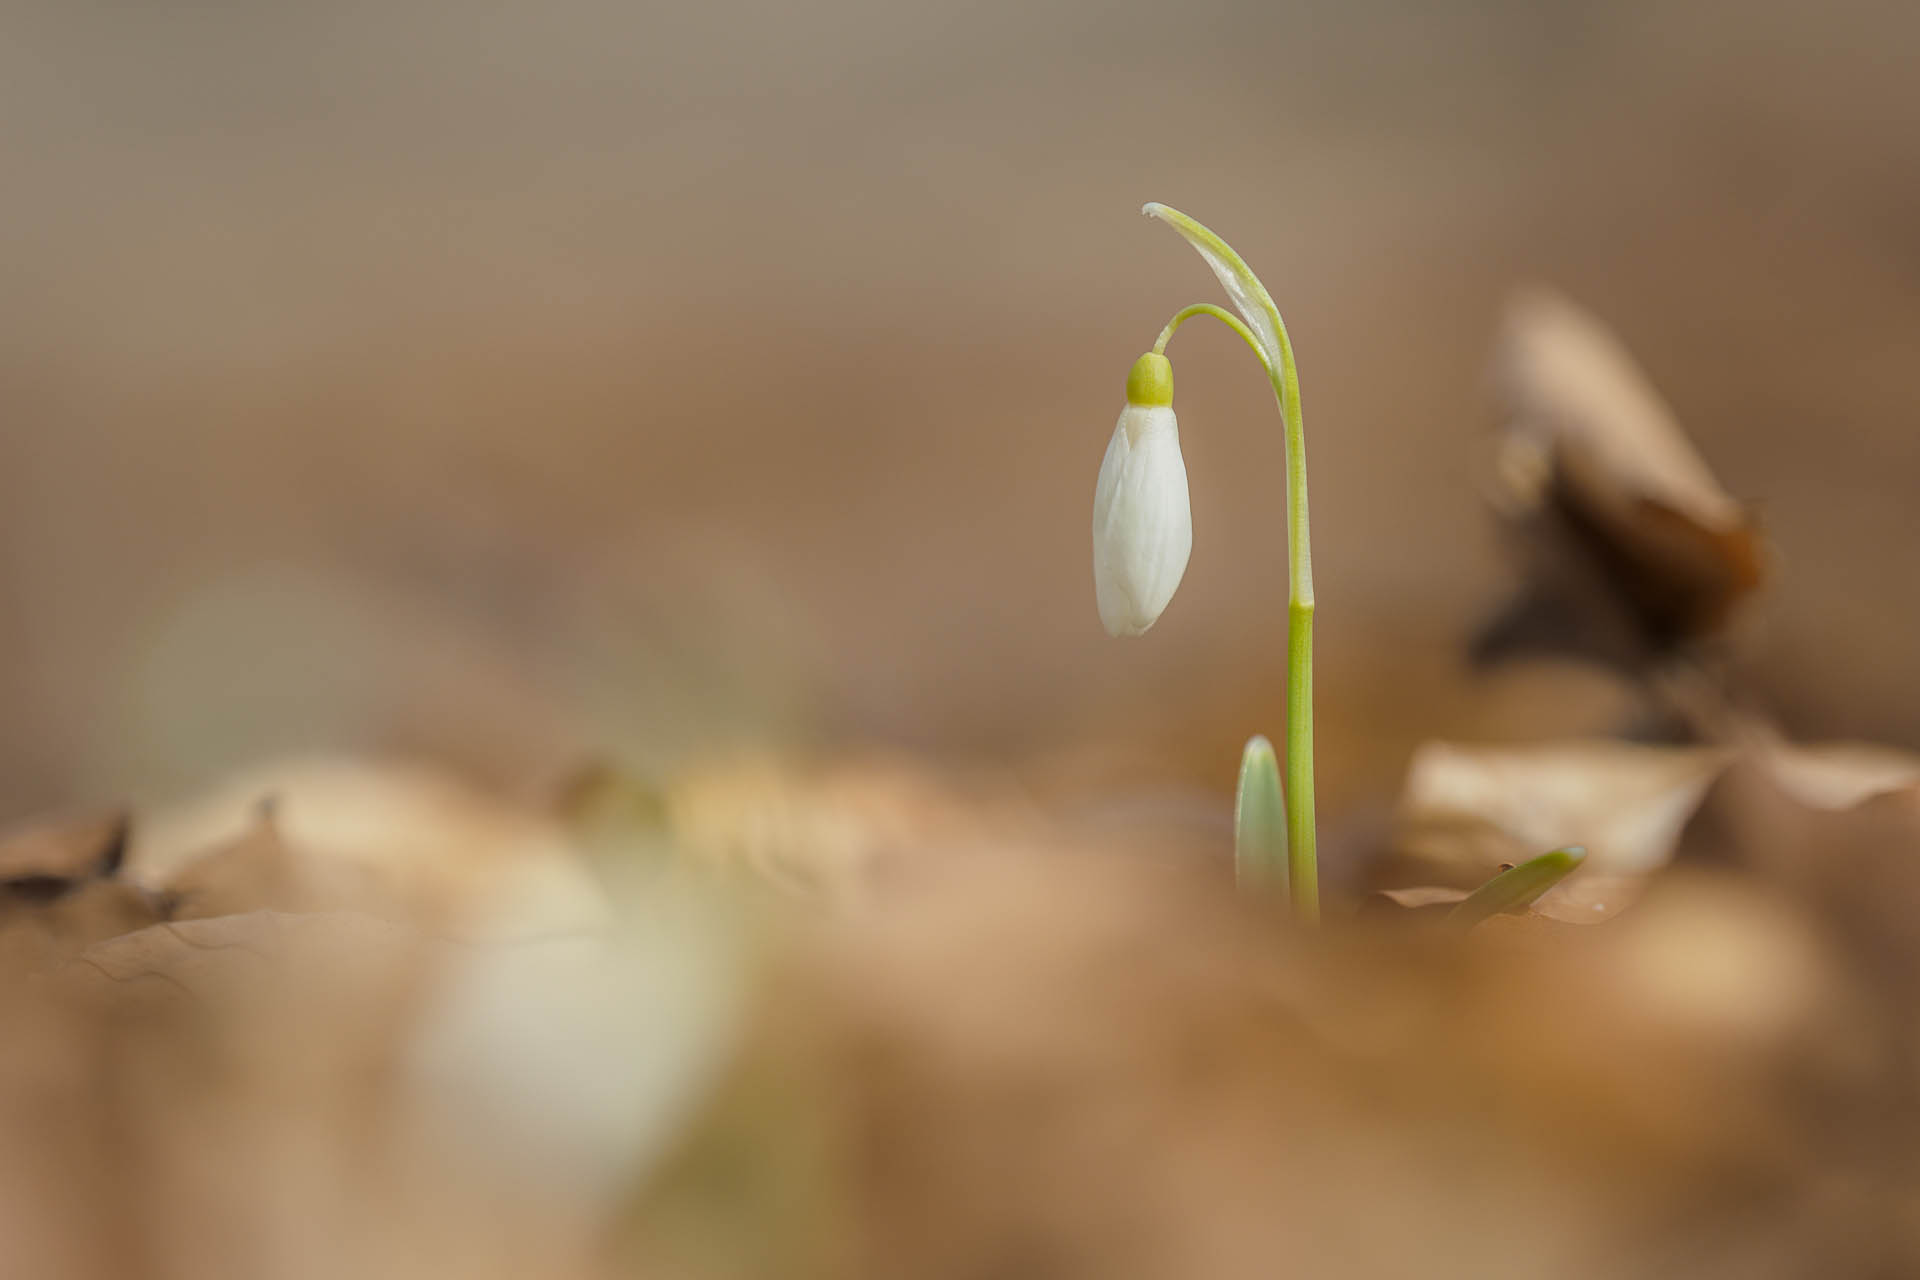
1142	519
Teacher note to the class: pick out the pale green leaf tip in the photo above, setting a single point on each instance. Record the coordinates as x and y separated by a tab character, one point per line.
1166	213
1260	817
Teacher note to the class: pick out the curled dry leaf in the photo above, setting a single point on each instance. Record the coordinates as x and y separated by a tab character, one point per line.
1467	811
1437	899
1840	775
1631	549
44	860
418	837
261	871
60	890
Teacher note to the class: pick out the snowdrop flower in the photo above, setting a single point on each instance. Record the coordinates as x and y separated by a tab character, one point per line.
1142	520
1143	533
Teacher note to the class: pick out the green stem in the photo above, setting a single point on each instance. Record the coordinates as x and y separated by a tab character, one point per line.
1221	314
1303	866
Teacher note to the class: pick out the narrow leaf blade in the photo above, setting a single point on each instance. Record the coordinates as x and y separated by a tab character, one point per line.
1518	887
1260	819
1250	297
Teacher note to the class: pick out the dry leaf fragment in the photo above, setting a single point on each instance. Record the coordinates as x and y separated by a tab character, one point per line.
60	890
465	861
1588	898
1465	810
211	957
1631	548
261	871
1435	899
1840	775
42	861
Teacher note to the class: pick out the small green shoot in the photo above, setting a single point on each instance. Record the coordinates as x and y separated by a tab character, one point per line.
1517	888
1260	819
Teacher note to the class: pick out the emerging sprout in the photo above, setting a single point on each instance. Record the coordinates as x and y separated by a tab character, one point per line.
1517	888
1143	532
1260	818
1142	522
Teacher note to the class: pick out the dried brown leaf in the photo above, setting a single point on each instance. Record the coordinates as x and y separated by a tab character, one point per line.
1424	897
260	871
1631	549
60	891
45	859
1839	775
424	841
1466	810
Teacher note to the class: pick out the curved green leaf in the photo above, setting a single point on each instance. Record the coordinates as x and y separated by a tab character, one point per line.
1518	887
1250	297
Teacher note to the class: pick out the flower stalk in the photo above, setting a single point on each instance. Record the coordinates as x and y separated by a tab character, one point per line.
1260	326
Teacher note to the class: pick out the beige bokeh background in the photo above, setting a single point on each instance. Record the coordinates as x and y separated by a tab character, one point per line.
508	382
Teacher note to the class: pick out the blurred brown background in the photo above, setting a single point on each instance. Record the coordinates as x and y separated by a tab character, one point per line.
510	381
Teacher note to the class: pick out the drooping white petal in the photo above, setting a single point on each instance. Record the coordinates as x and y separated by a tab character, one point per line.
1142	520
1250	298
